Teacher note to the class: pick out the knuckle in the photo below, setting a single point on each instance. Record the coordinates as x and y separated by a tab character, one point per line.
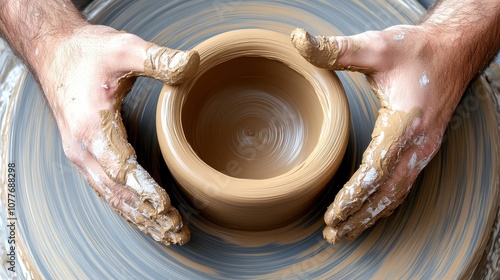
116	203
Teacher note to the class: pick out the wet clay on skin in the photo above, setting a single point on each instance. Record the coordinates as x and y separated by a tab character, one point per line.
363	199
171	66
380	159
322	51
153	213
436	233
258	132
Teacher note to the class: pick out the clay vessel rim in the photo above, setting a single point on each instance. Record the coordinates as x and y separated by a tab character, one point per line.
237	41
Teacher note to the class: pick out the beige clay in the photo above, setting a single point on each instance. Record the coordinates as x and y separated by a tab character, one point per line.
258	132
171	66
152	213
323	51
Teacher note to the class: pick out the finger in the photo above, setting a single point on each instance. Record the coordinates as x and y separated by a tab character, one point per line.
390	138
379	204
372	210
170	66
166	228
117	159
339	52
391	192
387	197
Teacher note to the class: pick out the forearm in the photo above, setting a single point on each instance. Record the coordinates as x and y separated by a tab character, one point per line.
33	27
468	31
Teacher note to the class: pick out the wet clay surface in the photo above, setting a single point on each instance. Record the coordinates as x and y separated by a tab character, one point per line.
171	66
254	122
256	129
152	213
439	232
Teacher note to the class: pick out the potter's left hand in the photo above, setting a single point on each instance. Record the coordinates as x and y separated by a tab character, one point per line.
85	71
419	74
85	77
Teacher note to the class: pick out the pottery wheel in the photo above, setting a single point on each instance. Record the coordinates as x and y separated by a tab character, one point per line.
67	232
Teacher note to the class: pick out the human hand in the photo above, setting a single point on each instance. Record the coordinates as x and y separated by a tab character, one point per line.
85	77
418	89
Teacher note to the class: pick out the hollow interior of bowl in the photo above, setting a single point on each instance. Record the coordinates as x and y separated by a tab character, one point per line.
252	118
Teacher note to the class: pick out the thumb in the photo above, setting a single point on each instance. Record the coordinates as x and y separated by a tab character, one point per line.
337	52
171	66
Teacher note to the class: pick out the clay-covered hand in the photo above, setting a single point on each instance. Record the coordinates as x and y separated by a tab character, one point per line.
417	94
85	77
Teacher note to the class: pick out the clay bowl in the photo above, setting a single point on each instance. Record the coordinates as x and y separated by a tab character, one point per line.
257	134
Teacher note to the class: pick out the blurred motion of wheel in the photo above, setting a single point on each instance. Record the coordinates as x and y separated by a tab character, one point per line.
66	232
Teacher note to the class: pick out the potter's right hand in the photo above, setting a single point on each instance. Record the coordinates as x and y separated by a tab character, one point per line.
416	104
419	74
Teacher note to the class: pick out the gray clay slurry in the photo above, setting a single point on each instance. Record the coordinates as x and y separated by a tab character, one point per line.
67	232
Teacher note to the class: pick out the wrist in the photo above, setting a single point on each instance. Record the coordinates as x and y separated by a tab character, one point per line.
449	56
43	51
34	28
464	34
